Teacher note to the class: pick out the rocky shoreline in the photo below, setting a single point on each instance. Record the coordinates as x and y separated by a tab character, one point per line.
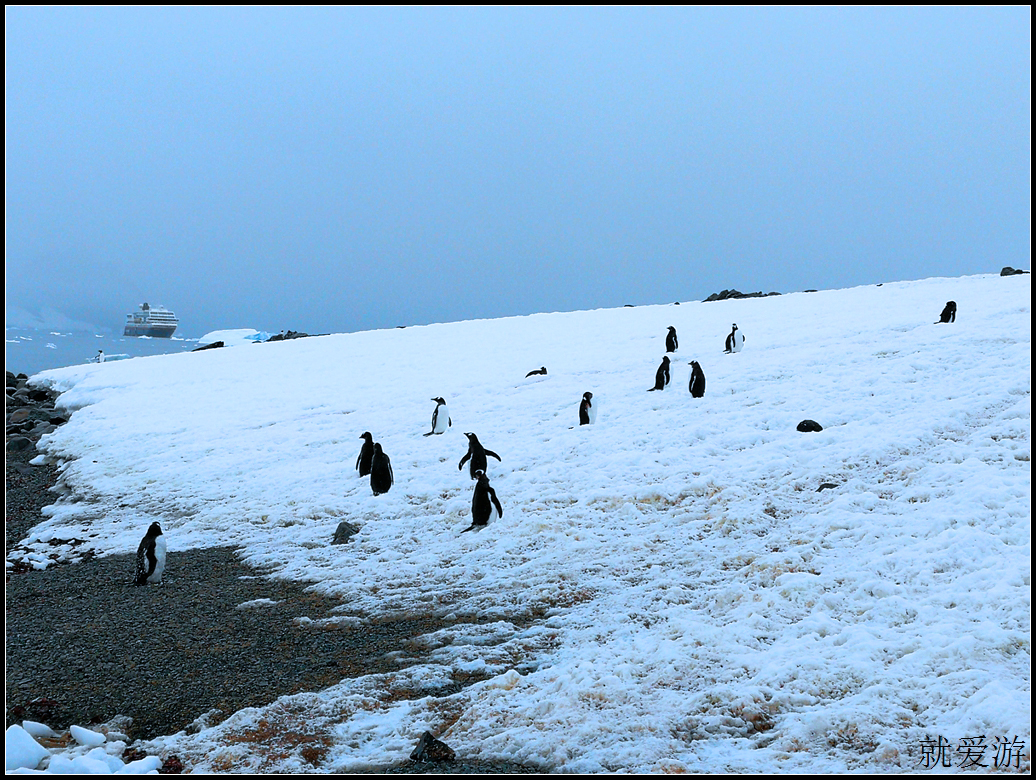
84	646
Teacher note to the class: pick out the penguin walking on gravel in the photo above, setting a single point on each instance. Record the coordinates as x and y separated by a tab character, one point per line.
735	340
662	375
381	471
477	454
671	343
949	313
485	506
440	417
363	460
151	557
585	409
697	383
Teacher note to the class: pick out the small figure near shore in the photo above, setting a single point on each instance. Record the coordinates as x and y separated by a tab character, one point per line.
100	356
151	557
542	370
735	340
381	471
949	313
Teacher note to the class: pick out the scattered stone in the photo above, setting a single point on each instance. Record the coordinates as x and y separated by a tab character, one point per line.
1008	271
19	443
809	426
345	532
291	334
431	749
18	415
734	294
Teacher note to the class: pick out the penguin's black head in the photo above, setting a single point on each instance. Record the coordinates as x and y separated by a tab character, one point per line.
588	396
154	530
665	358
672	329
471	437
377	448
439	400
366	435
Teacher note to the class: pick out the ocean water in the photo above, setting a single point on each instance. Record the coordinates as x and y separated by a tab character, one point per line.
30	350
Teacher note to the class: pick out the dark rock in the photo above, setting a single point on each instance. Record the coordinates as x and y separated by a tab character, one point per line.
290	334
809	426
431	749
728	294
213	345
19	443
345	532
18	415
1008	271
826	486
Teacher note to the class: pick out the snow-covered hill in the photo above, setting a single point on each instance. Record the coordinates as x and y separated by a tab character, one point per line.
667	590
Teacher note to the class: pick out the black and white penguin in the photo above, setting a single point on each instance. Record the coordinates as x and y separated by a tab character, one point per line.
949	313
440	417
697	383
585	409
151	557
381	471
485	506
100	356
735	340
363	460
477	454
662	375
541	370
671	344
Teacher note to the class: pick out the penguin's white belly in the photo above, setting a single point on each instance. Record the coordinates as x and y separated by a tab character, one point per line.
442	420
160	549
595	404
738	342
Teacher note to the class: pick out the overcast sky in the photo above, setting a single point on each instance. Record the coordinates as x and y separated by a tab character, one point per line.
339	169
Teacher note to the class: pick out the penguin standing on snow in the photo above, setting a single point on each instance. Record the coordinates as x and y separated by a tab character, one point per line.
697	383
477	454
585	407
671	344
440	417
485	506
662	375
949	313
381	471
363	460
151	557
735	340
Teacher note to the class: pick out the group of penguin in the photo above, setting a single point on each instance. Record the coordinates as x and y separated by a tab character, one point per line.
734	342
485	506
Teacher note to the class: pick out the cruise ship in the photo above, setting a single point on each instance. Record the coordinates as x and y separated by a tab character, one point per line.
156	322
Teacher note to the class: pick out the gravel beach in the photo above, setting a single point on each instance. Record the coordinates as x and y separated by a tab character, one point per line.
83	645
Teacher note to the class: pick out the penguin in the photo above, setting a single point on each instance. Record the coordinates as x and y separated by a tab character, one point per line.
477	453
662	375
381	471
735	340
100	356
440	417
151	557
485	506
541	370
585	407
363	460
697	383
671	344
949	314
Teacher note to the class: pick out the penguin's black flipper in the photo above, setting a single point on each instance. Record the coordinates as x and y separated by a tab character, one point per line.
463	460
490	452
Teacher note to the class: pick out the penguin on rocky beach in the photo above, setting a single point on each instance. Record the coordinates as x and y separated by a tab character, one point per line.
151	557
661	375
363	460
477	454
440	417
485	506
381	471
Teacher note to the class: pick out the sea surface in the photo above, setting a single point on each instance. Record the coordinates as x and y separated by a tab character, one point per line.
30	350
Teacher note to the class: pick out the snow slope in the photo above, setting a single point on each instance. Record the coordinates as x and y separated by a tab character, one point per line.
667	590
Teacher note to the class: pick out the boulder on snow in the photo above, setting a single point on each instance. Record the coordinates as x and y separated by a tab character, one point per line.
431	749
